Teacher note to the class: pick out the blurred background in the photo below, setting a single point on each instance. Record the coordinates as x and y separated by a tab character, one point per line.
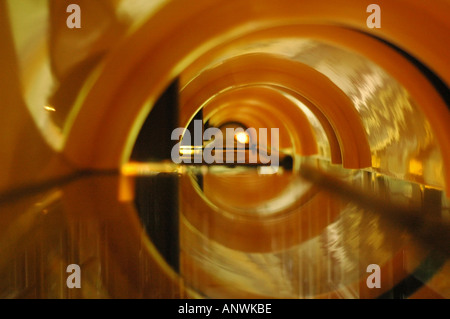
87	177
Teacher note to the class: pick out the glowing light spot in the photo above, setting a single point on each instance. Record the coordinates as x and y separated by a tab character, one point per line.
242	137
135	168
190	150
49	108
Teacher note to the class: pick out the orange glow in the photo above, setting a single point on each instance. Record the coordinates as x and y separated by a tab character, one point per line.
415	167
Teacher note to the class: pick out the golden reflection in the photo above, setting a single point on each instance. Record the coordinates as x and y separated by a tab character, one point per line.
49	108
317	247
415	167
308	251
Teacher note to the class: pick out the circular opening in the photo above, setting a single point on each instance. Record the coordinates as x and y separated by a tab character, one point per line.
333	101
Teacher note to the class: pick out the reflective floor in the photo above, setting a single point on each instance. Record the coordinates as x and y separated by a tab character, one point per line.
199	232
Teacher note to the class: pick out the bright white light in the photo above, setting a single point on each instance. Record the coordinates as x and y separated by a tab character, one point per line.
242	137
